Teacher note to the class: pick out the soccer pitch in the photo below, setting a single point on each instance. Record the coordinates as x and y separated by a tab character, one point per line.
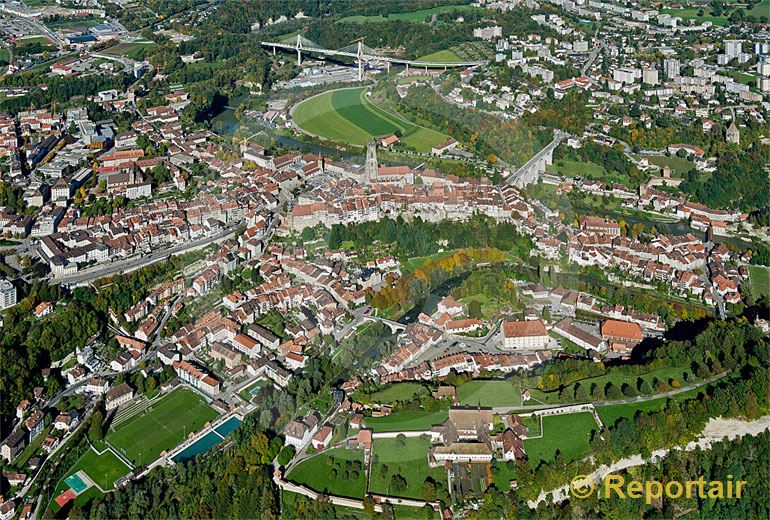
164	425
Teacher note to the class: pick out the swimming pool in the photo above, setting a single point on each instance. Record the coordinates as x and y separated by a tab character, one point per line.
208	441
227	427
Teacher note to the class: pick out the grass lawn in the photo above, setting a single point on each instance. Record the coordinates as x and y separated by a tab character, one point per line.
489	393
347	116
610	414
691	13
571	168
394	392
415	16
316	473
569	434
679	164
441	56
406	421
760	279
410	461
143	437
760	9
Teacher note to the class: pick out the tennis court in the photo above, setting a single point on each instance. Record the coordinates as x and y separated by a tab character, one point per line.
77	483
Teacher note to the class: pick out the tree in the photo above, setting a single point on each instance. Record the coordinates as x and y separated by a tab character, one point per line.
613	392
308	234
95	428
474	309
397	483
581	394
285	455
428	490
400	440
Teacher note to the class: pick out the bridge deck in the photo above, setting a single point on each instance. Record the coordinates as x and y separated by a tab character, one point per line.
367	57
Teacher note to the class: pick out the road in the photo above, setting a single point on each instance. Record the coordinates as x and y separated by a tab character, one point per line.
708	278
132	264
592	57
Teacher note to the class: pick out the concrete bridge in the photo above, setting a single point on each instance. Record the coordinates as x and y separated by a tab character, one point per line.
530	171
362	54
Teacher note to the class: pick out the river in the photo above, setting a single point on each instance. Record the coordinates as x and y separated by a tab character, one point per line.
429	304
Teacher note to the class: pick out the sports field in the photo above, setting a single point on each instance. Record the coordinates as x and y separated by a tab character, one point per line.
32	40
348	117
166	423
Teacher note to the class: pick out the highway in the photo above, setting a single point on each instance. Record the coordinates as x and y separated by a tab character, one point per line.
376	57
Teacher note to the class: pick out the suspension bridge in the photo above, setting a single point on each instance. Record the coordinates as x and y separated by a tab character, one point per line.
361	53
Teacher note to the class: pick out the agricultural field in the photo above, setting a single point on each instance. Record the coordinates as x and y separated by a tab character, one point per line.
568	434
760	280
406	421
410	461
347	116
164	425
489	393
336	476
414	16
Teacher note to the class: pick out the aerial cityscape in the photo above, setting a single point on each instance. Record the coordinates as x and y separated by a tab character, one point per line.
384	259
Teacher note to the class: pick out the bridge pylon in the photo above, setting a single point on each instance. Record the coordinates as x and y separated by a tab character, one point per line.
360	55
